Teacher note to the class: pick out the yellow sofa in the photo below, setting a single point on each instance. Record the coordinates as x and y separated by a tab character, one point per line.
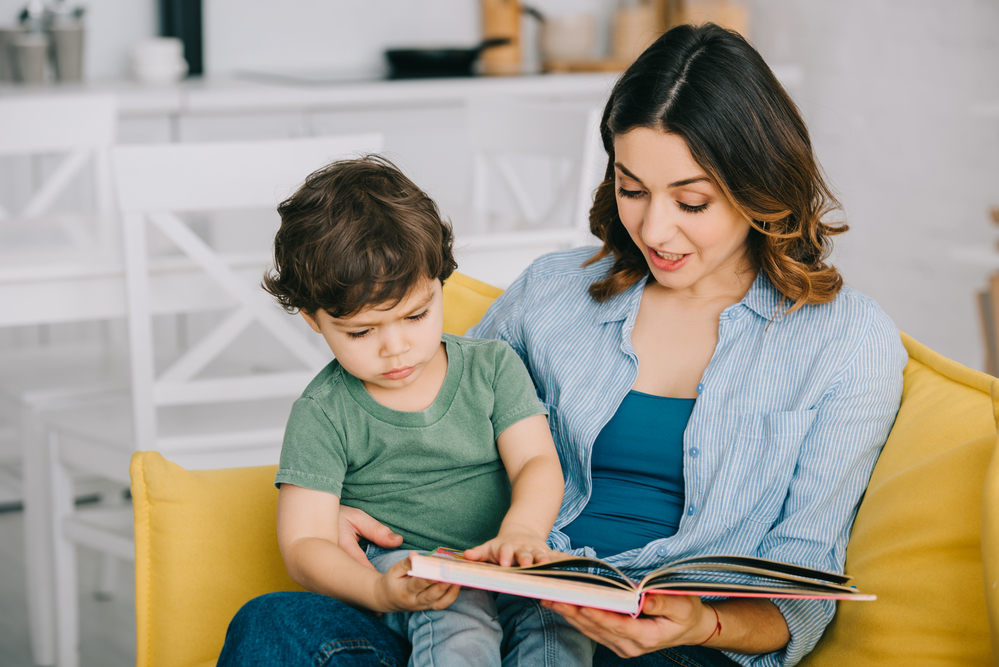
926	539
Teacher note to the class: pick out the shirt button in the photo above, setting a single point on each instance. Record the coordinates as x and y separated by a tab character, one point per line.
661	551
694	452
700	387
691	510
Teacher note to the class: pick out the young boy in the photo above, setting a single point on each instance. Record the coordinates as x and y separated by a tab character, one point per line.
441	438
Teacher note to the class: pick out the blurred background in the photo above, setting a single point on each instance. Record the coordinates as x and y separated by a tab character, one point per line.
901	98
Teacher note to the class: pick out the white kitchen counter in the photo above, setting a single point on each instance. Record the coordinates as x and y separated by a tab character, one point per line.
245	95
227	95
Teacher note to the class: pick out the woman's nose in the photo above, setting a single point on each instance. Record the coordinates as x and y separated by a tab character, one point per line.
660	224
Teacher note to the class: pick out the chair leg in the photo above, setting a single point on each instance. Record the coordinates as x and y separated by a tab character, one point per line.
107	577
38	533
64	557
479	204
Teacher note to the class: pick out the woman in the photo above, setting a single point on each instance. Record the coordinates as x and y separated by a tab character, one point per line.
711	385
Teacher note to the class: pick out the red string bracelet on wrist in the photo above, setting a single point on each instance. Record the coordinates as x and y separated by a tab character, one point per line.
716	631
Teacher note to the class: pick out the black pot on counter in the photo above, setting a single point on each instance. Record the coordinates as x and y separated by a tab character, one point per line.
436	62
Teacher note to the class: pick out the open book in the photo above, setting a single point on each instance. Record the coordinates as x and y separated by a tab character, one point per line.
589	582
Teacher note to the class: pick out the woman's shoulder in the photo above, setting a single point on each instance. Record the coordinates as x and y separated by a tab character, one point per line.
852	305
854	319
570	265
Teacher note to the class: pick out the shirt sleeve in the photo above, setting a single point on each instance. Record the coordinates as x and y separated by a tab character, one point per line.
838	455
312	454
501	321
514	395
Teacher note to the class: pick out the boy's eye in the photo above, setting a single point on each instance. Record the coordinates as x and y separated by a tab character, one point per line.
357	334
417	318
630	194
687	208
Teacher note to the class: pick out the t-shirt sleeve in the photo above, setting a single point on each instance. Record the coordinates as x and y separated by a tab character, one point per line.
514	395
312	455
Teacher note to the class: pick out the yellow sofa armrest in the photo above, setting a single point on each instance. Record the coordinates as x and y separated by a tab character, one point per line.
205	544
990	539
920	532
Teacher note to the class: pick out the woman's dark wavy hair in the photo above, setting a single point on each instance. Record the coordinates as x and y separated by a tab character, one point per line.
357	234
709	86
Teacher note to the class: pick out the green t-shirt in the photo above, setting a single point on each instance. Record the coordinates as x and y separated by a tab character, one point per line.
435	476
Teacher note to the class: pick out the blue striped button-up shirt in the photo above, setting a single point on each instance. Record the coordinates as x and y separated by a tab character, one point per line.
791	414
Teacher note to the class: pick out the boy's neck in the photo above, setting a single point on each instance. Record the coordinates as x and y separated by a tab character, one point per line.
419	395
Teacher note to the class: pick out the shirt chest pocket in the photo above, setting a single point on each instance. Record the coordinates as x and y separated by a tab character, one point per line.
762	462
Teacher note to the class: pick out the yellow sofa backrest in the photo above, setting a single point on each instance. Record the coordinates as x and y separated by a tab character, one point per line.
205	541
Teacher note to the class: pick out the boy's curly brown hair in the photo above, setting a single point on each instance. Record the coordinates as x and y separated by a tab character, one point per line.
356	234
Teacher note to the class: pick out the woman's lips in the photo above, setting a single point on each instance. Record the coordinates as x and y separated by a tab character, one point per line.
665	264
398	373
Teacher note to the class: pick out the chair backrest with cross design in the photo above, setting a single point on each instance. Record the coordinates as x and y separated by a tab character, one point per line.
160	190
555	188
64	137
535	167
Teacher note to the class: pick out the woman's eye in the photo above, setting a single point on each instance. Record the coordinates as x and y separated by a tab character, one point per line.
357	334
417	318
630	194
687	208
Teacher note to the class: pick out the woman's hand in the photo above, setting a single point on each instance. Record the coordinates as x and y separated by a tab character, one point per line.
746	625
667	620
397	591
513	546
354	524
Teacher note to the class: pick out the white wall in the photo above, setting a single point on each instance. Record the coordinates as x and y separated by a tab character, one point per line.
345	35
887	95
295	35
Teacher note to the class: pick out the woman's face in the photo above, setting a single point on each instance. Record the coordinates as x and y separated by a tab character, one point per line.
692	237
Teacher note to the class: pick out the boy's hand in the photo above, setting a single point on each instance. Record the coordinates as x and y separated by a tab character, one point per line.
513	546
397	591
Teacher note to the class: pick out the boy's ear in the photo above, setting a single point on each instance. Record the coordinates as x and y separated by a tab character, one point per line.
311	320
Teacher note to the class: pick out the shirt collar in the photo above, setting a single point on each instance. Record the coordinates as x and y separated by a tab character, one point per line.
762	298
621	306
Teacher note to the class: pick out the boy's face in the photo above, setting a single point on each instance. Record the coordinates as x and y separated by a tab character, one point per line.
388	348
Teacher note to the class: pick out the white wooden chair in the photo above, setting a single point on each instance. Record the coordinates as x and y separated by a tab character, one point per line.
218	401
535	167
57	223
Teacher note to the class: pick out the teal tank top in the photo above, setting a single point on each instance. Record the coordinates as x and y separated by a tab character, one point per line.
637	471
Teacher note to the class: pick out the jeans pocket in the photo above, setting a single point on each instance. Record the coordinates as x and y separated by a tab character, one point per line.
355	652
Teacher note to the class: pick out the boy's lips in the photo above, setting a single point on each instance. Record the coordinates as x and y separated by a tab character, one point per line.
398	373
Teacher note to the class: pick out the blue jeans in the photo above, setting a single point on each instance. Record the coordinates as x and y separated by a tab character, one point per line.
308	629
471	630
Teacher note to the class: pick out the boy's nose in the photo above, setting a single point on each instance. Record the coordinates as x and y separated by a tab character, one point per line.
394	342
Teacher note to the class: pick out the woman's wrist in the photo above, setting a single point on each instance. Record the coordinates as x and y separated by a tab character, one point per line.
713	621
743	625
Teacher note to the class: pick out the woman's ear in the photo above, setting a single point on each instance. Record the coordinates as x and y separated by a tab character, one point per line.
311	320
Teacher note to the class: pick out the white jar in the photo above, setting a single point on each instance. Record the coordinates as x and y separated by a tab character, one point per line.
159	60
